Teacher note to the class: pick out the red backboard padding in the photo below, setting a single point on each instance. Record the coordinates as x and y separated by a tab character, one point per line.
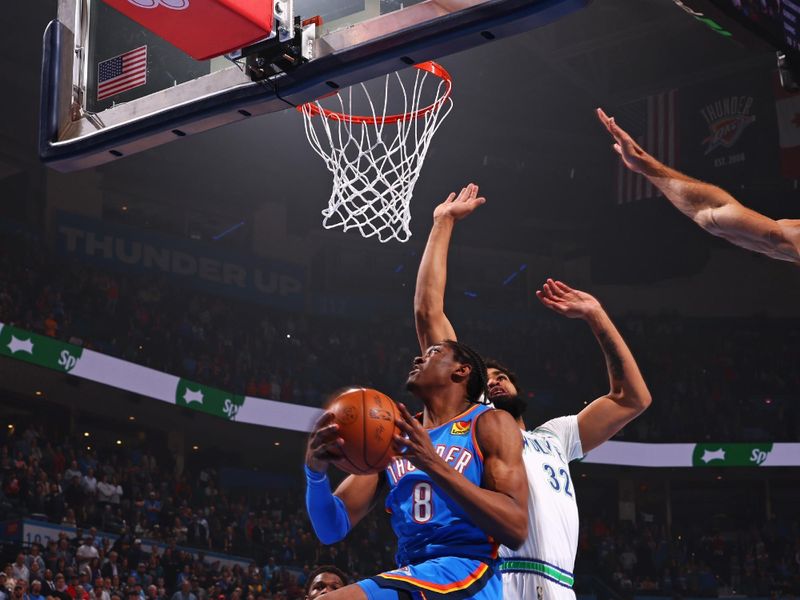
203	29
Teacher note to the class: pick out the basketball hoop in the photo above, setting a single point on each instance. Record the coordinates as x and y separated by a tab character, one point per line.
376	158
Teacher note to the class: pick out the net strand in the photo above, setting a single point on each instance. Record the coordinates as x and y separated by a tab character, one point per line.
375	166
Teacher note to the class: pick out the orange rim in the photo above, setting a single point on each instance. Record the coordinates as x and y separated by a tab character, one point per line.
431	67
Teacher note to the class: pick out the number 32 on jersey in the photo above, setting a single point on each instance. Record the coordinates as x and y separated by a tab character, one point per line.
558	480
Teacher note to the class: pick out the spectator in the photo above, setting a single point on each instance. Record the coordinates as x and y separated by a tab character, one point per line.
35	592
90	483
99	591
61	589
117	493
72	472
51	326
152	507
269	570
85	579
70	520
35	557
197	590
35	573
324	579
136	555
185	575
180	531
19	570
111	567
198	534
48	583
105	490
18	593
628	560
74	495
185	592
87	551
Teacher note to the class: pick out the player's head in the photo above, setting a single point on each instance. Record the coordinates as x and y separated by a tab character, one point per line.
449	363
504	390
324	579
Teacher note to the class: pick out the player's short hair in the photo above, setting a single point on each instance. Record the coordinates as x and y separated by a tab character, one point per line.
492	363
478	382
325	569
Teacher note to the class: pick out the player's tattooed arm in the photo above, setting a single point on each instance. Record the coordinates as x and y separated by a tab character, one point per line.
432	323
711	207
628	396
500	505
613	359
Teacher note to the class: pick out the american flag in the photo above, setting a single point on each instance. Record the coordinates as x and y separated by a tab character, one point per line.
791	22
122	73
653	123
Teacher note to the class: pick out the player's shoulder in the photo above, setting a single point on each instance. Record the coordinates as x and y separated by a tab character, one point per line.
564	434
496	427
556	427
493	417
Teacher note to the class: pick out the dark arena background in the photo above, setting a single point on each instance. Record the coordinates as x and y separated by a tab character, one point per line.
172	322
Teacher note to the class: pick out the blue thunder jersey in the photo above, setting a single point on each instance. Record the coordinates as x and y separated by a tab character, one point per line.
429	524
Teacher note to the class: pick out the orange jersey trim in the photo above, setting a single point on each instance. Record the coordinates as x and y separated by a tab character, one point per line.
456	418
435	587
495	547
475	443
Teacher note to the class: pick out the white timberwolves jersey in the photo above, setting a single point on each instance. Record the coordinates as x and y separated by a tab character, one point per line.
548	554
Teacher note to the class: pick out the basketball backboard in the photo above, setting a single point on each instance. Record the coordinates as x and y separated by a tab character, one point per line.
111	87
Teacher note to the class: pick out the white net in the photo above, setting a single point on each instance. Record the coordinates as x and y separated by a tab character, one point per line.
376	159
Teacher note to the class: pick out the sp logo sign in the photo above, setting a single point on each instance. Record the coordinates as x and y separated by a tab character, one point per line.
66	360
758	456
230	409
171	4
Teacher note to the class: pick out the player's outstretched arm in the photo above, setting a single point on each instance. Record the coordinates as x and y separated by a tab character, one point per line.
711	207
432	324
333	515
629	396
500	506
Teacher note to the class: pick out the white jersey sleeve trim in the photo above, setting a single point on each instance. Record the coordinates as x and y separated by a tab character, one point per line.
566	430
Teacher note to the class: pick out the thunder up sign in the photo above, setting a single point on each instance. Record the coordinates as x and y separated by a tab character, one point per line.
189	263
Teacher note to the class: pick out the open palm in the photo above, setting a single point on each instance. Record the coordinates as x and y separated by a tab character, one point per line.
631	153
561	298
458	207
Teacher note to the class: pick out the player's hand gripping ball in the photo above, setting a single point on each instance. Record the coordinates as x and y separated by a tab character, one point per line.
366	420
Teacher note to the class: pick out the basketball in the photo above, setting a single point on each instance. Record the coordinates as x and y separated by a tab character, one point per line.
366	423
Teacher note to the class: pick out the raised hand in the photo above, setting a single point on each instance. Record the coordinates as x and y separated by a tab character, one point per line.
632	154
458	207
561	298
324	444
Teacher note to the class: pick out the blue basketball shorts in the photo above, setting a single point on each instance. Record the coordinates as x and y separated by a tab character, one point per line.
443	578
